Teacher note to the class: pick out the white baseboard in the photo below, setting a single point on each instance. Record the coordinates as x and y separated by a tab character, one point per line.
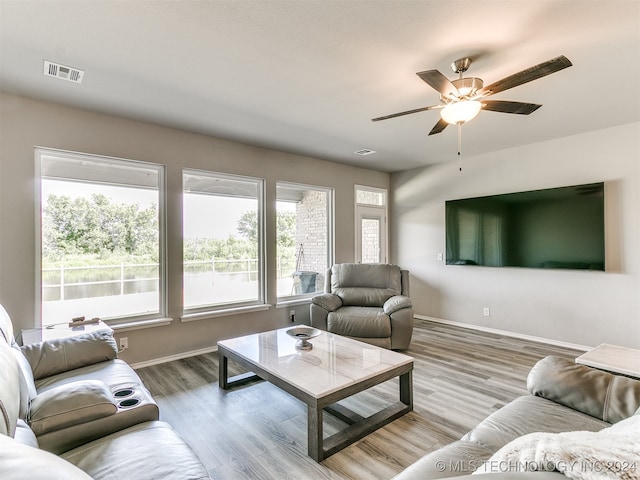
506	333
170	358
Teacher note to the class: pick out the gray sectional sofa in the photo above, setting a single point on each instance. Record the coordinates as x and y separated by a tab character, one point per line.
564	397
70	409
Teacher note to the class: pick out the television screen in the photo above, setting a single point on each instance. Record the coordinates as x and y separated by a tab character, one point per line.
551	228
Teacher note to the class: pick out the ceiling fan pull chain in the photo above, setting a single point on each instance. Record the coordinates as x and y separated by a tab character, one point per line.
460	146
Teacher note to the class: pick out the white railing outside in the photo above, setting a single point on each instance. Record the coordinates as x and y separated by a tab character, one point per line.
114	290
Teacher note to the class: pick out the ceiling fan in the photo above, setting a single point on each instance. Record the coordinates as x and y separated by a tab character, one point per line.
462	99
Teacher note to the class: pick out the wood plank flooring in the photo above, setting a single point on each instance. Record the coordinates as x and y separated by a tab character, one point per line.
259	432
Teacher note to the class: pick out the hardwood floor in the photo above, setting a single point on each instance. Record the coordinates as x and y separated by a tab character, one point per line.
259	432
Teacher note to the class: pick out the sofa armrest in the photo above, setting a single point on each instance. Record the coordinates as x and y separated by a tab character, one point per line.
600	394
395	303
60	355
70	404
328	301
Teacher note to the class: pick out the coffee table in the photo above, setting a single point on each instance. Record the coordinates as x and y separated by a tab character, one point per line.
334	369
613	358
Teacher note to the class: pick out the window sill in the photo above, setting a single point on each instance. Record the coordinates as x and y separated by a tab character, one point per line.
140	324
192	317
294	301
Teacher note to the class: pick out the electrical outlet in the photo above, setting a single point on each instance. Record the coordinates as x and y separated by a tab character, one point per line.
124	343
292	315
486	312
440	256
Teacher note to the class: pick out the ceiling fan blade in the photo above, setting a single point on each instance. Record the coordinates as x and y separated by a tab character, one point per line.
504	106
439	82
438	127
528	75
417	110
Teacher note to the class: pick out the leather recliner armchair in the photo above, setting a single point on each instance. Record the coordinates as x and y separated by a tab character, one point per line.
367	302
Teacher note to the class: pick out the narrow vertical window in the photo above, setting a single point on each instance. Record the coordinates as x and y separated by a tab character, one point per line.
304	242
100	242
222	241
371	225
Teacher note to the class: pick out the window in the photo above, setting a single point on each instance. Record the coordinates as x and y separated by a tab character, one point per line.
371	225
223	241
304	243
100	243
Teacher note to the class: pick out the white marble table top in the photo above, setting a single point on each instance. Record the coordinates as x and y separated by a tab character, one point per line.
613	358
335	362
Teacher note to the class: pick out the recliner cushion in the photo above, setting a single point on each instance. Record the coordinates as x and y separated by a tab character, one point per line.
366	322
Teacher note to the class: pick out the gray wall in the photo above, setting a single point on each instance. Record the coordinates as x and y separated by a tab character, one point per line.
580	307
26	123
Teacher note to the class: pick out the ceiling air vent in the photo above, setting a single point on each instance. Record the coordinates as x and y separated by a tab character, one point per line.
71	74
364	151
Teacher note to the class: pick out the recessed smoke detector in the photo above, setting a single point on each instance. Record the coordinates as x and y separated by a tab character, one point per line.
63	72
364	151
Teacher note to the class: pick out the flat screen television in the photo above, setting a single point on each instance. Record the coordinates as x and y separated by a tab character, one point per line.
551	228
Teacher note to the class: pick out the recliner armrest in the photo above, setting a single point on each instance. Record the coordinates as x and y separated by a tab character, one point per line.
395	303
70	404
60	355
328	301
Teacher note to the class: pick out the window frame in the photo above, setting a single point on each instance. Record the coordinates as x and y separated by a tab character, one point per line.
123	320
369	210
330	254
214	310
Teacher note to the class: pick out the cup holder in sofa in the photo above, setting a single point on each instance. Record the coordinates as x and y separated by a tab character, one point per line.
128	402
123	392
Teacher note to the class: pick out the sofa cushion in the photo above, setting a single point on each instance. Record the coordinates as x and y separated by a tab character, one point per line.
148	451
70	404
529	414
27	385
10	390
113	372
25	435
359	322
19	461
59	355
6	327
597	393
457	458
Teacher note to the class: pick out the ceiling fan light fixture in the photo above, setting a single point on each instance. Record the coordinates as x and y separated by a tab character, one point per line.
460	112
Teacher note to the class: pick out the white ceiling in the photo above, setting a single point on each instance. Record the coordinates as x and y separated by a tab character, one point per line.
307	76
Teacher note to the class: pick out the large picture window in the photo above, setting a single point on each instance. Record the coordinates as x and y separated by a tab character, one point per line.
223	241
304	241
100	243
